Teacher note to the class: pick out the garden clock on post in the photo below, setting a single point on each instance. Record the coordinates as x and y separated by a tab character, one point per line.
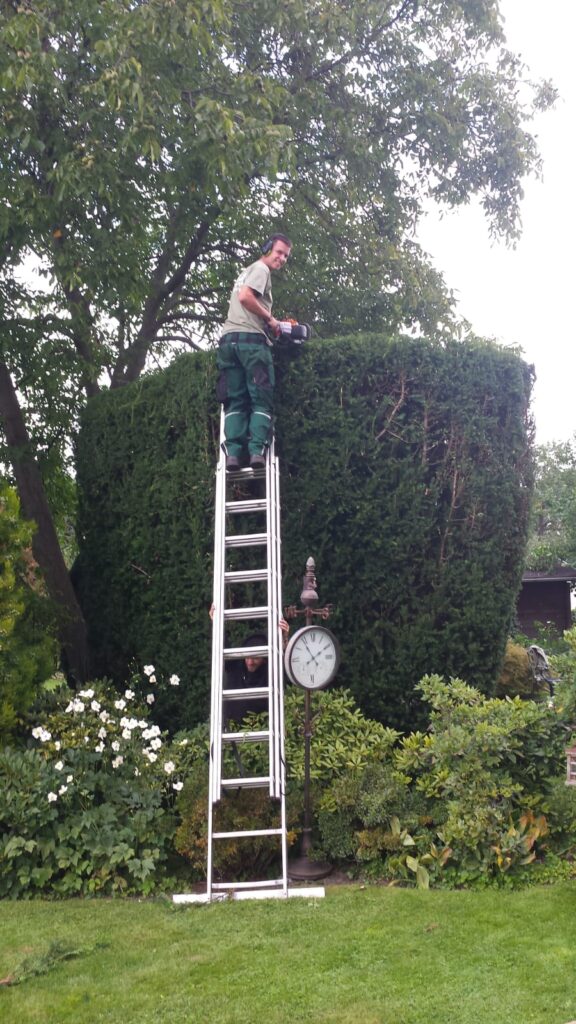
312	657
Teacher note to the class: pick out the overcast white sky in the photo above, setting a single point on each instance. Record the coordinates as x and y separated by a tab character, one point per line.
526	296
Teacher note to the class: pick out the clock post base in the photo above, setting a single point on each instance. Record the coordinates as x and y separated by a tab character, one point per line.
302	869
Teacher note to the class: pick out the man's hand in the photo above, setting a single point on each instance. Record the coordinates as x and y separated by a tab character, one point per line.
284	629
274	327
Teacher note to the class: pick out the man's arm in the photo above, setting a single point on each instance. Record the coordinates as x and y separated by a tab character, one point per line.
249	299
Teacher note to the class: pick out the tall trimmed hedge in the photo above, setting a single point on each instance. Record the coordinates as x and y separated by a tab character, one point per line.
406	473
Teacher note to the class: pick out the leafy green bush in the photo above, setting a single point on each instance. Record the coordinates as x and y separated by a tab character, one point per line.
27	648
476	800
367	815
343	741
90	808
490	763
563	666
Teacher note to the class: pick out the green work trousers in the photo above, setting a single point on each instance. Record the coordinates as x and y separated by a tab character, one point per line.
246	388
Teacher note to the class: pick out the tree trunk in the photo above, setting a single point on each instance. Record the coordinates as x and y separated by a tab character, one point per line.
45	544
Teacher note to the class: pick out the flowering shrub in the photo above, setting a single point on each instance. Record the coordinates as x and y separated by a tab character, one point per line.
89	808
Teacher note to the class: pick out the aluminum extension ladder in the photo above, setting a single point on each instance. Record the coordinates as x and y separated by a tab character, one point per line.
263	517
264	513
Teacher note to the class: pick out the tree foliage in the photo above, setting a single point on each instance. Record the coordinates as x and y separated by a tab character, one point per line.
146	146
553	528
27	650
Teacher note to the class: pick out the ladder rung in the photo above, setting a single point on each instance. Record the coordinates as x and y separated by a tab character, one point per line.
246	540
231	653
245	575
248	833
246	473
246	737
260	612
249	692
246	505
247	782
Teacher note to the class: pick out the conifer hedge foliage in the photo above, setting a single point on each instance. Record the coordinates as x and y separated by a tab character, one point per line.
406	473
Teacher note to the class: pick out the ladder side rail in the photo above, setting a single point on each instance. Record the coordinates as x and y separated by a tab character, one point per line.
217	635
215	760
271	623
279	716
279	709
273	619
276	613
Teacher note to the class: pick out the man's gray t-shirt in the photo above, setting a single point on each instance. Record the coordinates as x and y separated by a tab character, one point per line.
258	277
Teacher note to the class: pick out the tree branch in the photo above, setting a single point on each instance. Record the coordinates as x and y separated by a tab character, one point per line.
131	363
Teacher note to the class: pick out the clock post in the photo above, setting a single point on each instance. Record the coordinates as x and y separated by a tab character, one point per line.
311	661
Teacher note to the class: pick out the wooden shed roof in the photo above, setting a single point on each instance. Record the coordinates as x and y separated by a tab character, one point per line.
561	572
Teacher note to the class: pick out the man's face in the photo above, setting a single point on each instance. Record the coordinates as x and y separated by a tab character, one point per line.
253	663
279	253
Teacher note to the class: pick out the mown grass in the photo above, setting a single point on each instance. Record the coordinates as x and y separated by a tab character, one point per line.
368	955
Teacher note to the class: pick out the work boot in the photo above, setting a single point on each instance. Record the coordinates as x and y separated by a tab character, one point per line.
232	462
256	461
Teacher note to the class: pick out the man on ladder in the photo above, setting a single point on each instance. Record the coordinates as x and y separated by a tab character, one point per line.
246	370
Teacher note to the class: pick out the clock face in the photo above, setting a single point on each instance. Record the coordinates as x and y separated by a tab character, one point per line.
312	657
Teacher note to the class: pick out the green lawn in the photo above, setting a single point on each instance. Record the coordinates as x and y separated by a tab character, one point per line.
362	955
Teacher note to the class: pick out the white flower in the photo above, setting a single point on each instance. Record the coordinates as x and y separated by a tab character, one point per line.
59	766
95	705
142	724
69	778
151	756
152	679
75	706
86	693
86	739
153	730
117	761
102	734
155	744
126	734
174	681
104	716
52	797
177	786
148	670
57	745
41	734
120	704
169	767
115	745
129	694
150	698
183	743
62	790
136	772
99	748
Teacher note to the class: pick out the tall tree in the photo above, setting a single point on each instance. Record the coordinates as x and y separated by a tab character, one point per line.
552	538
146	144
